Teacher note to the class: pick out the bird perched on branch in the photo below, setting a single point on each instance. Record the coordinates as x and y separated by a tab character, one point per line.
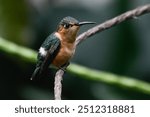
59	47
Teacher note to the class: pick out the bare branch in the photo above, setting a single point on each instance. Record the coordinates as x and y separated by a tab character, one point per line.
113	22
99	28
57	84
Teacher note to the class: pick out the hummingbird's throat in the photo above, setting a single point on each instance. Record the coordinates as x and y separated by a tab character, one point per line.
67	35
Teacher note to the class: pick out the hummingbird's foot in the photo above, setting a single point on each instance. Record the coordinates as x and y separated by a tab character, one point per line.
64	67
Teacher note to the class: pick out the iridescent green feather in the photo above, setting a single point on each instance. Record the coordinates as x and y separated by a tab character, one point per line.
52	46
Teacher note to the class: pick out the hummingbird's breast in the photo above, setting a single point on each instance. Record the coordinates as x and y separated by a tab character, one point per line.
65	53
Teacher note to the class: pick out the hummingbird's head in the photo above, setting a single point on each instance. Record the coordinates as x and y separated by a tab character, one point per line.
70	26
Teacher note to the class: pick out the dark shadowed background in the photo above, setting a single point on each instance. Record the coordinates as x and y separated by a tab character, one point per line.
123	50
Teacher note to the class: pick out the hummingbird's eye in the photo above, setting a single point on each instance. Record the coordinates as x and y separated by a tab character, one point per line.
66	26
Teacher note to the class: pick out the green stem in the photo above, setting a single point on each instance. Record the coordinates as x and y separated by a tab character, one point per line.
109	78
17	51
29	55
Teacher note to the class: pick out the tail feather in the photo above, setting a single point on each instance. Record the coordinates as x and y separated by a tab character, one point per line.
36	73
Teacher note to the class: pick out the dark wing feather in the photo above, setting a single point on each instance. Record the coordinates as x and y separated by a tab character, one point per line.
52	46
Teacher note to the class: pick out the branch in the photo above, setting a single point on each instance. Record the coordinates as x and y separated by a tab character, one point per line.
113	22
58	85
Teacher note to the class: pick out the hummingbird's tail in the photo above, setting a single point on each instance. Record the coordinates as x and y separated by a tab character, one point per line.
39	71
36	73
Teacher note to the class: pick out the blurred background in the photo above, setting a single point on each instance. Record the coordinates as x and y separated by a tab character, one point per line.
122	50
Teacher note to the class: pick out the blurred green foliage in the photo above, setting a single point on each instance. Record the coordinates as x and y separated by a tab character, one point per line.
13	20
123	50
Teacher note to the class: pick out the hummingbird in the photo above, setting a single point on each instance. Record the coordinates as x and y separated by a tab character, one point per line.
59	47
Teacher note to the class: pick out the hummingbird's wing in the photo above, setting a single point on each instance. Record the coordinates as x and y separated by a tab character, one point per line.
46	55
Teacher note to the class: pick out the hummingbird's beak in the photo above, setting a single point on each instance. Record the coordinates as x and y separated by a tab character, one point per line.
86	22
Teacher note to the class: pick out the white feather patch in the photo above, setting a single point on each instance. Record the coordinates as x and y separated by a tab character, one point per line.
42	51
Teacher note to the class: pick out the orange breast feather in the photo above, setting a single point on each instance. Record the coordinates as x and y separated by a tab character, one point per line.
65	53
